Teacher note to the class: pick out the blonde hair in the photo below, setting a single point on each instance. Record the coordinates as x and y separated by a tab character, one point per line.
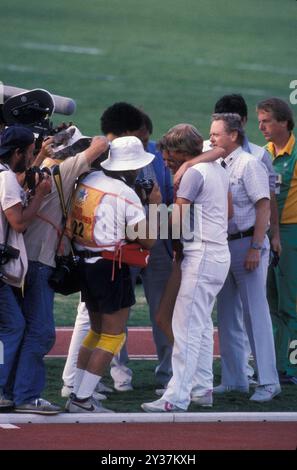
183	138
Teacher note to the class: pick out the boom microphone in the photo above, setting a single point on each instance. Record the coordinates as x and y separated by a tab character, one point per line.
63	105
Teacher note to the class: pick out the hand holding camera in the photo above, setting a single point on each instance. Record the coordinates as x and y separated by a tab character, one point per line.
38	180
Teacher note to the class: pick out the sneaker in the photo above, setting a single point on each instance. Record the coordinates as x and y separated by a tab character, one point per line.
102	388
123	387
5	403
266	392
220	389
252	381
205	400
161	406
88	405
38	406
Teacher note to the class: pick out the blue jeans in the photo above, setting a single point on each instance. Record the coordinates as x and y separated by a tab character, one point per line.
12	327
39	338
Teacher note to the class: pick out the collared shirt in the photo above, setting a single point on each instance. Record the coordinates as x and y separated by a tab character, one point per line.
248	184
265	158
285	165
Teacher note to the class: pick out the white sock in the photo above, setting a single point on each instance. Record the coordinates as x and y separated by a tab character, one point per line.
87	385
79	373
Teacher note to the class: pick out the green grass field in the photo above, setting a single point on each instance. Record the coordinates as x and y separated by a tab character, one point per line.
144	390
172	57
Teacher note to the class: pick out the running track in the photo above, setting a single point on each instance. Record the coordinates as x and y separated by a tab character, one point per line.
148	435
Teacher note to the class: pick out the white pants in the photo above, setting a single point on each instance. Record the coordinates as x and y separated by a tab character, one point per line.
202	278
249	287
81	328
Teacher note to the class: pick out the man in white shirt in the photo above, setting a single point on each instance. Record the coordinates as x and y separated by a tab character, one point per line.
246	281
203	192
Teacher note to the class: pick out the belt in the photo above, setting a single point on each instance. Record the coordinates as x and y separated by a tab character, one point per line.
88	253
236	236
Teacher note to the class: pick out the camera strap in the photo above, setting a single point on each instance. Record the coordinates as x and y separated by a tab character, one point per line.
64	206
7	231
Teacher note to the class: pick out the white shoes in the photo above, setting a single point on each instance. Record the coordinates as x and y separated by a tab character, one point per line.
123	386
161	406
89	405
205	400
266	392
220	389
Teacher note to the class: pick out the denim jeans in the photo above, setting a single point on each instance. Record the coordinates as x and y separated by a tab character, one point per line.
12	326
39	337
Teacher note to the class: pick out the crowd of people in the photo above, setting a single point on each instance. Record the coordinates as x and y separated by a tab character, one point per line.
230	208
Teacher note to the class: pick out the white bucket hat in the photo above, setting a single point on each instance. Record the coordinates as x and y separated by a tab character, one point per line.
126	153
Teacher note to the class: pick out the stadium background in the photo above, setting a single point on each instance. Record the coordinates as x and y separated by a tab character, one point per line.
172	57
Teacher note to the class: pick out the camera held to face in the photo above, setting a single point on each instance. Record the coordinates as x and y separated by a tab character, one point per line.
34	175
143	189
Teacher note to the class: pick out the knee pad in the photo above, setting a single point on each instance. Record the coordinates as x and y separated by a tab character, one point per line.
91	340
111	343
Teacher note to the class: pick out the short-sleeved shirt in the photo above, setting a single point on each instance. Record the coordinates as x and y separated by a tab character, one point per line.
265	158
119	208
248	184
206	186
41	237
11	194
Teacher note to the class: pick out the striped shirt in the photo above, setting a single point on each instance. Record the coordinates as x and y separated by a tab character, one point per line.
248	184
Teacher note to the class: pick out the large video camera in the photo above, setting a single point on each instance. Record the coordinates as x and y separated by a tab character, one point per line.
34	109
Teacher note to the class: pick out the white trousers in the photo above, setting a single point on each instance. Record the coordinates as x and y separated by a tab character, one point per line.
245	289
202	278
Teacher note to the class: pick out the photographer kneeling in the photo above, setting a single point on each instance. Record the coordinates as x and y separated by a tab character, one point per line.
16	154
107	212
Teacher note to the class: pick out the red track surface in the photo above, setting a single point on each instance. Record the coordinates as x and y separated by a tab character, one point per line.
140	342
146	436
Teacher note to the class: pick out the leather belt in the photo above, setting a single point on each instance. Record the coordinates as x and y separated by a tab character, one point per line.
236	236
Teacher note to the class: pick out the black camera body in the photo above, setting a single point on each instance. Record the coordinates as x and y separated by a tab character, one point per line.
33	176
143	188
65	278
8	253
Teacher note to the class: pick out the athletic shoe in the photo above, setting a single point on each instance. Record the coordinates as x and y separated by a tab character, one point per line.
5	403
123	387
102	388
205	400
161	406
67	390
252	381
38	406
88	405
220	389
266	392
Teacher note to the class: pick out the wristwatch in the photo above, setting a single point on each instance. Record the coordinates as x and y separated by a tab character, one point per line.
256	246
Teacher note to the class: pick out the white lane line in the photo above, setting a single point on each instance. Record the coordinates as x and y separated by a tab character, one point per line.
62	48
190	417
8	426
244	91
253	67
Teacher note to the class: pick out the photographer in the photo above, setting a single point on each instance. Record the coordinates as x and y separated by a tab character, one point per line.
16	154
41	240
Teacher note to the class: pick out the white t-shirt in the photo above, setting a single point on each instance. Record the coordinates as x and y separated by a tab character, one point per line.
11	193
117	210
206	185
